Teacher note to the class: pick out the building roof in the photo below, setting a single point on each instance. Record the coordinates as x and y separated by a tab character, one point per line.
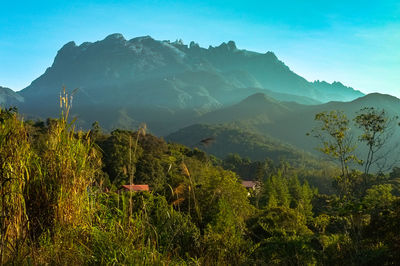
250	184
136	187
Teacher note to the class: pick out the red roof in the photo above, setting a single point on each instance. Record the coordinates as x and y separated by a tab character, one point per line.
136	187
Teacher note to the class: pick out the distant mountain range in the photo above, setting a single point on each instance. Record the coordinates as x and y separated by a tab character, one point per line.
172	86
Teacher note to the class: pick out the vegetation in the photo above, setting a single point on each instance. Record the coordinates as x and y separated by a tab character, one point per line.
224	139
61	200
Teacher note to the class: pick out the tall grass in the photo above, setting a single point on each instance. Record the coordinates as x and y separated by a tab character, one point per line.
15	156
69	164
44	192
141	131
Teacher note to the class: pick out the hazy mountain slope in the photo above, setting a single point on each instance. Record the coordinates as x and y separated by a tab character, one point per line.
9	98
284	97
289	122
257	108
295	125
225	139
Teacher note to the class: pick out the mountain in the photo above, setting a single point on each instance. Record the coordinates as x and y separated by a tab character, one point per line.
162	82
293	127
284	97
335	91
257	108
9	98
223	139
289	122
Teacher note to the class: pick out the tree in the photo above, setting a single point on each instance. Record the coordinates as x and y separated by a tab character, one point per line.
375	126
335	137
281	236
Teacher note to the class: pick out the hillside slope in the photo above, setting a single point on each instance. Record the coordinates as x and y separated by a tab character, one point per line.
9	98
221	140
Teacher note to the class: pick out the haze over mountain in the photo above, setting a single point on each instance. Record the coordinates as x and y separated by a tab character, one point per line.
223	139
286	121
161	82
8	97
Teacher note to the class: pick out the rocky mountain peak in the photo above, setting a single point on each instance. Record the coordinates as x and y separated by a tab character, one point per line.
114	37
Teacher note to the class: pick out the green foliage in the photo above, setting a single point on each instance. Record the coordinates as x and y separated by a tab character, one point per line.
286	191
61	203
378	197
282	237
223	238
336	141
364	198
116	150
383	234
376	127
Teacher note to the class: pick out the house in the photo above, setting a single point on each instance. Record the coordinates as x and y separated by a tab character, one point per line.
253	185
135	187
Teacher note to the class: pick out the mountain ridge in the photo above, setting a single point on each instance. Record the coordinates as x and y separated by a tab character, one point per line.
167	58
143	79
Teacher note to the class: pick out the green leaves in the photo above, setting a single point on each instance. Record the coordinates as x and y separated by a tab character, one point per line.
376	128
333	132
378	197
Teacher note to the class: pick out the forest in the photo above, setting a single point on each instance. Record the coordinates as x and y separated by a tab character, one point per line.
62	200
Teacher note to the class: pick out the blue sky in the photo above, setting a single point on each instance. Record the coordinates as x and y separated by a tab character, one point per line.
355	42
